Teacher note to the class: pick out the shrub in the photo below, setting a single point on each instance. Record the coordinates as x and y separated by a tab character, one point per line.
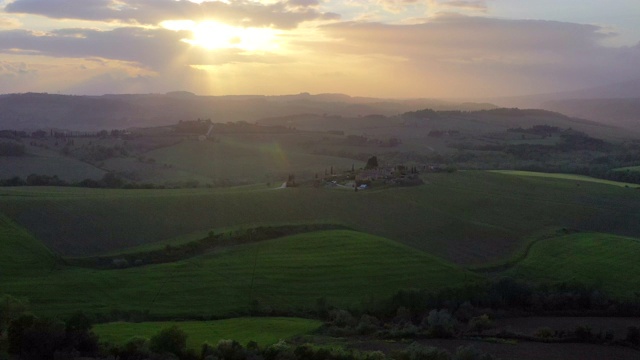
207	351
471	353
416	351
465	312
480	323
230	350
342	318
277	351
403	315
404	331
583	332
10	308
135	348
374	355
440	324
33	338
368	324
633	335
544	333
171	340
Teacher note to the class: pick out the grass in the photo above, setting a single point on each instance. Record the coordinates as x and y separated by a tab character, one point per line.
469	217
566	177
629	168
606	262
21	253
261	160
264	331
65	168
346	268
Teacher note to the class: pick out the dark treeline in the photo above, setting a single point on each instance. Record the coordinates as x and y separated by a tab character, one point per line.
33	338
170	253
510	112
469	312
508	297
463	313
109	181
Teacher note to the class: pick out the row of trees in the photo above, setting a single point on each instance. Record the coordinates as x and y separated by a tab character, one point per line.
109	180
171	253
34	338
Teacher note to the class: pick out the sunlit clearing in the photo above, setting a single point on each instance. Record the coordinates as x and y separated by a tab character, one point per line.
212	35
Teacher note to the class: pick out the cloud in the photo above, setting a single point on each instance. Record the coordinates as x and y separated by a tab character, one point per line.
155	49
479	54
443	56
14	69
9	23
455	35
396	6
458	5
303	3
435	6
152	48
281	14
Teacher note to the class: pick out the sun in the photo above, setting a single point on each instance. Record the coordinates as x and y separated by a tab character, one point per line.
213	35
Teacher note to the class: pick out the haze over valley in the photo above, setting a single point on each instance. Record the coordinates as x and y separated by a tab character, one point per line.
319	179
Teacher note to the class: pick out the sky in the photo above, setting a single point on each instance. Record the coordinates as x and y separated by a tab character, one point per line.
379	48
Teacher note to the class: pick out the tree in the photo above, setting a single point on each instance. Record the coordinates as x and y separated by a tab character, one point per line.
169	340
78	335
33	338
633	335
111	180
372	163
440	324
10	308
480	323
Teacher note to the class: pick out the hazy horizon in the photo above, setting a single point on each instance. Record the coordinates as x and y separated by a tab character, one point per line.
385	49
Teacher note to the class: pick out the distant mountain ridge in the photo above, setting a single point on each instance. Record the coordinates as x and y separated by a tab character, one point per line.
624	112
89	113
614	104
624	90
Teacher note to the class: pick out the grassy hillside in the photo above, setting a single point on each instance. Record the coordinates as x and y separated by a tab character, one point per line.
50	164
237	159
345	267
418	124
21	253
566	177
467	217
629	168
264	331
246	159
606	262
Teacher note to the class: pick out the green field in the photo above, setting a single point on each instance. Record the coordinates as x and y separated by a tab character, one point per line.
345	267
20	253
566	177
417	234
469	217
629	168
253	160
606	262
264	331
67	169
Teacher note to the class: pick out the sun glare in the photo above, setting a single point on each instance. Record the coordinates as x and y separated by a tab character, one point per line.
213	35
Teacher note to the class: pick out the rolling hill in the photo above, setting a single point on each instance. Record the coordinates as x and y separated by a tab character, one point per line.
468	217
287	274
91	113
602	261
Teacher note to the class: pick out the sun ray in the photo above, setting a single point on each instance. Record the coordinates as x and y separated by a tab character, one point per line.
213	35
